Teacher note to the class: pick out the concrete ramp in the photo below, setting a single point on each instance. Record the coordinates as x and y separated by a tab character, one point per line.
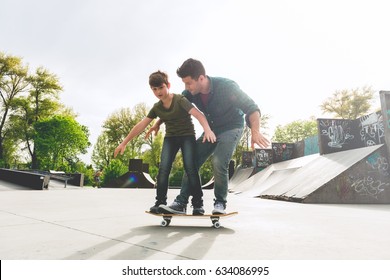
270	175
240	175
354	176
273	177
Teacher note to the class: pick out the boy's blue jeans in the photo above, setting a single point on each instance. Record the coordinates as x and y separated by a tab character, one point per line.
222	152
171	146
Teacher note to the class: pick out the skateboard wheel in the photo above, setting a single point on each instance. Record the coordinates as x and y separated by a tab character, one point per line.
165	223
216	225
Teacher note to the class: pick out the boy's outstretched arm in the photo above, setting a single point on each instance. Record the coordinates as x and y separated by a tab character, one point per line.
135	131
208	133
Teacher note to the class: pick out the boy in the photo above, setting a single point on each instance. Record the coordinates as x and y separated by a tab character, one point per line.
175	110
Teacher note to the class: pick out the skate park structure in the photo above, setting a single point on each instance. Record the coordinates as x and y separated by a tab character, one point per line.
352	165
137	177
40	180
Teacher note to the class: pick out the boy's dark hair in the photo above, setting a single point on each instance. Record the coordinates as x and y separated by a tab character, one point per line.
191	67
158	78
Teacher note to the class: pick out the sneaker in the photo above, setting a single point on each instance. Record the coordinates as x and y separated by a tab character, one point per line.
174	208
219	208
198	211
155	208
197	206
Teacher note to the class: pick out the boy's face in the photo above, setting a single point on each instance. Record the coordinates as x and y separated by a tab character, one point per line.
191	85
161	91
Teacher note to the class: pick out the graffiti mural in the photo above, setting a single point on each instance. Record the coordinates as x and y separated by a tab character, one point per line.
371	129
378	163
263	157
282	151
370	179
340	135
336	135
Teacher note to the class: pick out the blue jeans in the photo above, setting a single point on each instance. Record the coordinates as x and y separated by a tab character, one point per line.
222	152
170	148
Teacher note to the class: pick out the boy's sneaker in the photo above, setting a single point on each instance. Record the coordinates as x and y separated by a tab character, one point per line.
197	207
219	208
174	208
156	208
197	211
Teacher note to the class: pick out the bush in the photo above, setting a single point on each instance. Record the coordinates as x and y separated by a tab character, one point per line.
113	171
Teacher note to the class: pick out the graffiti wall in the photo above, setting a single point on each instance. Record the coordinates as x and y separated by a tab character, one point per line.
366	182
247	159
336	135
371	129
305	147
263	158
385	103
282	151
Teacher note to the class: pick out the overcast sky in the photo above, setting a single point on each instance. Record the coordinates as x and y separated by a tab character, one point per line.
289	56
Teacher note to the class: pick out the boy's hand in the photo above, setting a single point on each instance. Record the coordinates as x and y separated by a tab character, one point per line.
121	148
154	128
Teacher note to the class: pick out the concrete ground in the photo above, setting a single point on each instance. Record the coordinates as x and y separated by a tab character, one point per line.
110	224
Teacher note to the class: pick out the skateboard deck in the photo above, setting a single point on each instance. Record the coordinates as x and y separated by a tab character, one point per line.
213	217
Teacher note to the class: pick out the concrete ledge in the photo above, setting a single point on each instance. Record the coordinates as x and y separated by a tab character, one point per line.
25	179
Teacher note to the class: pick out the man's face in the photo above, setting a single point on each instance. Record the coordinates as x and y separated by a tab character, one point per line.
191	85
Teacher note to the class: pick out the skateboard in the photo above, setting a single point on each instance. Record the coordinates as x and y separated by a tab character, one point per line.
213	217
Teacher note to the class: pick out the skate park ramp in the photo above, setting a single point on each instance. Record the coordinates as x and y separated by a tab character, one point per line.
241	174
132	179
353	176
272	174
7	186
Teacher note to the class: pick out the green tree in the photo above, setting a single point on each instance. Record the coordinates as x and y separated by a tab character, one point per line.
102	152
42	101
13	81
152	155
349	104
295	131
58	141
43	97
119	124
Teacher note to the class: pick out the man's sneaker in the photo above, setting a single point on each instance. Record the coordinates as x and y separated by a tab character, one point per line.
219	208
155	208
174	208
198	210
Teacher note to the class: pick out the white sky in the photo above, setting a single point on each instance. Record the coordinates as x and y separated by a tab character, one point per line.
289	56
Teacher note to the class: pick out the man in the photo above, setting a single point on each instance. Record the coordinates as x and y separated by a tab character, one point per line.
224	104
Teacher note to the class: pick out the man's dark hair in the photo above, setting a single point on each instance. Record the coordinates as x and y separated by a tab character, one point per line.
158	78
191	67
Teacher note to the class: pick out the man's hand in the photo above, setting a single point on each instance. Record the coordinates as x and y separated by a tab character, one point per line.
209	136
258	139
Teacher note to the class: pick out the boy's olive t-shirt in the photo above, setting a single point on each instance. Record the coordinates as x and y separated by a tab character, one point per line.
178	121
